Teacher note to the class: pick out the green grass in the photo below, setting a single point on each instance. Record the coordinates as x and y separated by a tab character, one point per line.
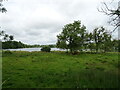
60	70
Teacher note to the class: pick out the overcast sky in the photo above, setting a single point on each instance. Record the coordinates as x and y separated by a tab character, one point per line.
39	21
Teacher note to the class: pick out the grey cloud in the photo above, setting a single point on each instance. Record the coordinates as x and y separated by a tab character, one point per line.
39	21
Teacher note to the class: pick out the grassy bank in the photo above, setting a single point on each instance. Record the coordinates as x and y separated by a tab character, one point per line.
58	69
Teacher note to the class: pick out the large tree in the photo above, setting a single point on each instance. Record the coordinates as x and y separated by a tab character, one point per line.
72	37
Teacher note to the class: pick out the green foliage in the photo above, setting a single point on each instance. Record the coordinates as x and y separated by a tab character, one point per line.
7	52
72	37
51	45
116	45
75	38
15	44
11	37
89	42
12	45
102	39
5	37
46	49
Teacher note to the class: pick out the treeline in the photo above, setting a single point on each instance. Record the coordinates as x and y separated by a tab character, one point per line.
13	45
75	38
19	44
51	46
8	43
112	46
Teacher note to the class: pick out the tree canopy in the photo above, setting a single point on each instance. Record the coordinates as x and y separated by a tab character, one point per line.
75	38
5	37
72	36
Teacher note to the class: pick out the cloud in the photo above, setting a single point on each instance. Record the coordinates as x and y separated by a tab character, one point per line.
40	21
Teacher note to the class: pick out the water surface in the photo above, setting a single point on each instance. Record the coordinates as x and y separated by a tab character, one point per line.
34	49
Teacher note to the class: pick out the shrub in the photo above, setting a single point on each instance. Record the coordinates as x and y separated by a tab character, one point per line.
7	52
46	49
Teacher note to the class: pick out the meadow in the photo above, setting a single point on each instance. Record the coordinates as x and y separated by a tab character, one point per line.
60	70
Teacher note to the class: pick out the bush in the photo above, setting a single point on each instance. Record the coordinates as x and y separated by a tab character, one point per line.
7	52
46	49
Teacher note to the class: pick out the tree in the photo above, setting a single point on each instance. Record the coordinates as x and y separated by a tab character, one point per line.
113	13
101	39
116	45
11	37
106	41
2	9
12	45
5	37
72	37
96	36
89	40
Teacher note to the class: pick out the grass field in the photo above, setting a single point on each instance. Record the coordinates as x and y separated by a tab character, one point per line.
60	70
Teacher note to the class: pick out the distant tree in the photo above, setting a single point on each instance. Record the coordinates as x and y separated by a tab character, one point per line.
101	39
5	37
89	40
113	13
106	41
72	37
96	36
12	45
11	37
116	45
1	33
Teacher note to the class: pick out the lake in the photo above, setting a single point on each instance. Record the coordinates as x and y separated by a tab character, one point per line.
34	49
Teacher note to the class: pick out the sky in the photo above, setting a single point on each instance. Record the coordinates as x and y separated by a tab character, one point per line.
40	21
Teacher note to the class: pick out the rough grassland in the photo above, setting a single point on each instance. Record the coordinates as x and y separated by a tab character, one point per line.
60	70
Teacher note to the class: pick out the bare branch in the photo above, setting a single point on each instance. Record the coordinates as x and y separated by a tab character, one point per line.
114	14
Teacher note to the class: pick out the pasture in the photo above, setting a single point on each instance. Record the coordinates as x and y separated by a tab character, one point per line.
59	70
